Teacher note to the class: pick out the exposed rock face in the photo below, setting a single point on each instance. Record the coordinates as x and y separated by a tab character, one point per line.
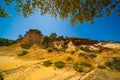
31	37
71	47
111	45
80	41
91	47
58	44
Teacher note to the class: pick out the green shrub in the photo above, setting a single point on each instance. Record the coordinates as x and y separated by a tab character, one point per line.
101	67
85	64
93	55
77	67
1	76
68	58
59	64
6	42
82	67
61	49
57	49
24	52
114	64
51	49
64	47
77	48
80	46
47	63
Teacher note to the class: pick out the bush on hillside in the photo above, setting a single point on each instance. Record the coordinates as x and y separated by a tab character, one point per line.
6	42
24	52
101	67
85	64
92	55
50	49
82	66
53	49
47	63
114	64
59	64
69	58
77	67
79	47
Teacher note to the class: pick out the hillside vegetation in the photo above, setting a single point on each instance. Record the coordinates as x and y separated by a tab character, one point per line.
6	42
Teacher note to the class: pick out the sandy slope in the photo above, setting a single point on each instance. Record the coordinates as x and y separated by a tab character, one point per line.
17	69
29	67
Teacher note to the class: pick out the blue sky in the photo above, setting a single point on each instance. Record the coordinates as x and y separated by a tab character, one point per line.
105	28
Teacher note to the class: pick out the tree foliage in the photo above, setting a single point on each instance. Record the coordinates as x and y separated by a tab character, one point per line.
5	42
76	11
53	36
3	12
46	42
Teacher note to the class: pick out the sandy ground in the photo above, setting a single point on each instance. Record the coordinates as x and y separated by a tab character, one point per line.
24	68
17	69
14	68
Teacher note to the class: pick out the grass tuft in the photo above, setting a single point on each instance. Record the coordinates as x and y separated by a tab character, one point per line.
47	63
24	52
59	64
101	67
